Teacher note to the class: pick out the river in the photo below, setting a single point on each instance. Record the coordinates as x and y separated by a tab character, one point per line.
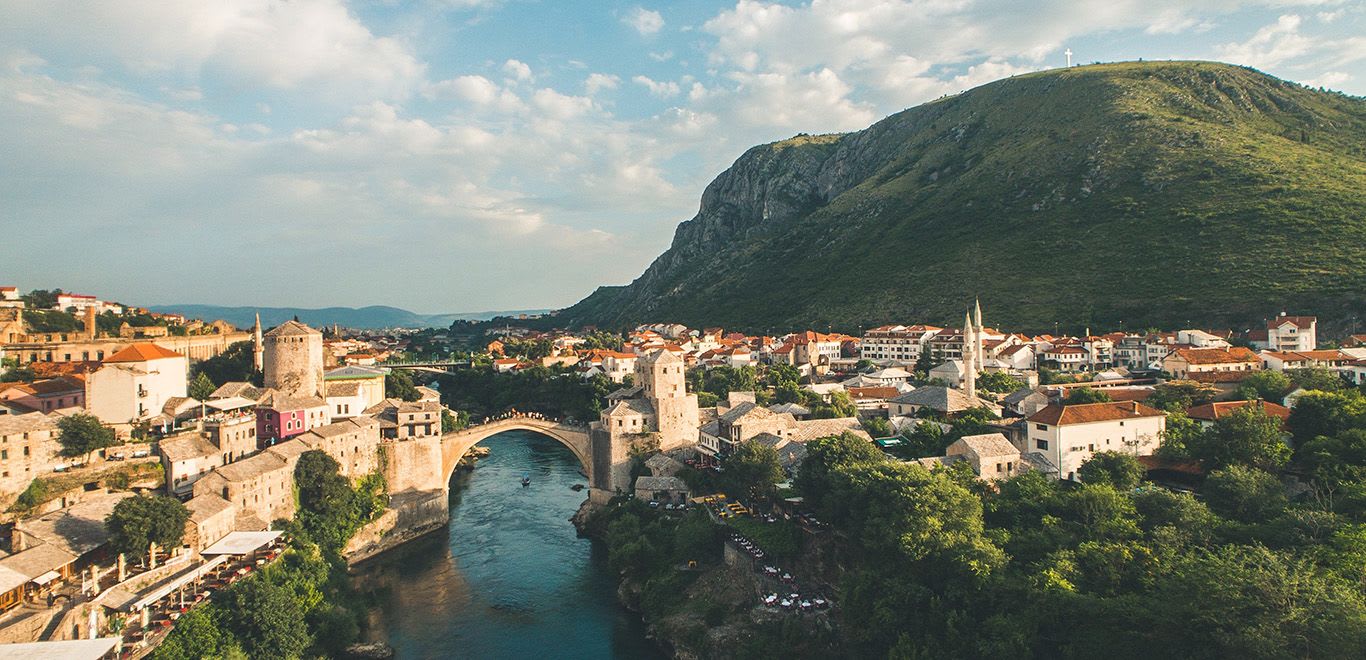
509	577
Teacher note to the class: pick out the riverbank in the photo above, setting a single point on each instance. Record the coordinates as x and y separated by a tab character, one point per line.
700	597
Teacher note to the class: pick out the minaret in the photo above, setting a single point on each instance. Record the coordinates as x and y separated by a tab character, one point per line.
258	346
977	316
971	345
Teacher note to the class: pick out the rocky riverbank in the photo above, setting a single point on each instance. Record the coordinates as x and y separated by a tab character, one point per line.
711	610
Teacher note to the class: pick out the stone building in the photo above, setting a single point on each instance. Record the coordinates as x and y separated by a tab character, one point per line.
28	449
657	413
292	360
135	383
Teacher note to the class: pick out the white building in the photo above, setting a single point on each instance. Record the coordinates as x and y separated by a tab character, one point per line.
1069	435
134	384
896	343
1288	333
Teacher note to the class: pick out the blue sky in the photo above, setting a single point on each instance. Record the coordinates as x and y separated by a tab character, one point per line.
461	155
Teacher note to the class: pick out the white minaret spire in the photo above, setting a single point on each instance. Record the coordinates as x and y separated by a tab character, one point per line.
971	344
1068	53
980	331
258	349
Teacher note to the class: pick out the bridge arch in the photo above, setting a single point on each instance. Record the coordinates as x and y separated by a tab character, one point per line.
456	444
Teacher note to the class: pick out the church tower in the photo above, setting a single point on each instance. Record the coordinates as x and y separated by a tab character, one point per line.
972	346
258	346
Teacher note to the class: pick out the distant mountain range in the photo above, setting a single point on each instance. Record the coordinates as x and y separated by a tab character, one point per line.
375	316
1120	195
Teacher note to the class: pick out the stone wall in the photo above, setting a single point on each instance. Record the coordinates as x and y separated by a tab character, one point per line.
409	516
414	464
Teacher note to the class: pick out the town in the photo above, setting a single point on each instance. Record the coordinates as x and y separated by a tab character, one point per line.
150	460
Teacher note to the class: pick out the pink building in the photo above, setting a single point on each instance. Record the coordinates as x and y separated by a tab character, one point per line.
280	417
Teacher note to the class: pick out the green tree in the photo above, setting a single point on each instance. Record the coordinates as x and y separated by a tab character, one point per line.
1117	469
1081	395
268	619
82	434
36	493
198	634
1179	395
1266	385
41	299
10	371
825	458
999	382
1244	493
1246	436
398	384
1286	607
234	365
201	388
1318	378
752	468
1179	436
878	427
329	510
1326	413
139	521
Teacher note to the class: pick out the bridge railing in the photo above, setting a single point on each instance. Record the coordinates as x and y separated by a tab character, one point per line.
528	416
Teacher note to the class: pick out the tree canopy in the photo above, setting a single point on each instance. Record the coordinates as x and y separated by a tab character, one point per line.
139	521
83	433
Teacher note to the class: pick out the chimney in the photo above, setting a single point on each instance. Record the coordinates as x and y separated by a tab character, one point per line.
90	324
1134	406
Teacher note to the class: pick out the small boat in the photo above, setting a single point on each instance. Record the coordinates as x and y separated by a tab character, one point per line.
526	480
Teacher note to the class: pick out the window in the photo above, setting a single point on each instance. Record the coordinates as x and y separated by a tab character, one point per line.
1091	447
1041	427
1040	443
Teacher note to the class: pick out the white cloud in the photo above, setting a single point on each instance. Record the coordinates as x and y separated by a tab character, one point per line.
517	70
557	106
597	82
645	21
1271	45
658	89
1329	79
286	45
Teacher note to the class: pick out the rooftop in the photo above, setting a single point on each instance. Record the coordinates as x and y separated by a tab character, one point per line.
1086	413
143	352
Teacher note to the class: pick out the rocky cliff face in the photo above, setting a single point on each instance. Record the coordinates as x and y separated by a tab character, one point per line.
1143	193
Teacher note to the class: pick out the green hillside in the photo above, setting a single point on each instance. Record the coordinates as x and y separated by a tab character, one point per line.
1141	193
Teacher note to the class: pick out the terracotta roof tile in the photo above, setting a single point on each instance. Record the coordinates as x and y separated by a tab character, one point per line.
1062	415
142	353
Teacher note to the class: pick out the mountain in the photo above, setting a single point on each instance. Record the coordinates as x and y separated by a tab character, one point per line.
376	316
1116	195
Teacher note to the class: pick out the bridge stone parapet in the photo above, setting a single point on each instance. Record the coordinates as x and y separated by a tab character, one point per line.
456	444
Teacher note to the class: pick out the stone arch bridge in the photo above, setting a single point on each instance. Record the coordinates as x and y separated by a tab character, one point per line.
576	437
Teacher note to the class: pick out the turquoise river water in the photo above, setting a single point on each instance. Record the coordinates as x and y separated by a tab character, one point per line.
509	577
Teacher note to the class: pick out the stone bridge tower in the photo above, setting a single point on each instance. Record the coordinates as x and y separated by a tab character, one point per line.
665	381
293	359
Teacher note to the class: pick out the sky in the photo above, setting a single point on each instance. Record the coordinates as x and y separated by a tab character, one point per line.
470	155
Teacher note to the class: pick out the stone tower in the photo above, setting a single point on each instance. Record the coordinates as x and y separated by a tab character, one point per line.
257	349
662	376
292	359
972	346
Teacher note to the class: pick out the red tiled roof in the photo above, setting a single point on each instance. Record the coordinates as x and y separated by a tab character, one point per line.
1215	410
1216	355
142	353
874	392
1302	322
1062	415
